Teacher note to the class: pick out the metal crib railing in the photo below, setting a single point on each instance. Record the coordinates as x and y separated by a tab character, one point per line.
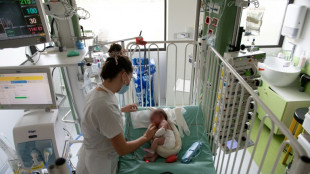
213	66
153	51
189	47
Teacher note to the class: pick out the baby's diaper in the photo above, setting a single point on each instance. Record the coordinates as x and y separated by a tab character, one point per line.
169	139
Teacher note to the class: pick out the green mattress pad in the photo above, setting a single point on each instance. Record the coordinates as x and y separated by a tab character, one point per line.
202	163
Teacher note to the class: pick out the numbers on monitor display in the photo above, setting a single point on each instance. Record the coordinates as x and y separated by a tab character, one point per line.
31	11
21	19
35	29
27	2
33	20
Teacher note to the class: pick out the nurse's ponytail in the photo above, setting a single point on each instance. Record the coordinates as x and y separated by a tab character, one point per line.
114	65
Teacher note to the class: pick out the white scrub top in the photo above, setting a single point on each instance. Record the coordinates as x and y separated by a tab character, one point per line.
102	121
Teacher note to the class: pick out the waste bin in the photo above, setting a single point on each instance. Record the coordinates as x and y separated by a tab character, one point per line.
143	75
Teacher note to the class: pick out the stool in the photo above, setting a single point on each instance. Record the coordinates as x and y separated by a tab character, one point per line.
299	117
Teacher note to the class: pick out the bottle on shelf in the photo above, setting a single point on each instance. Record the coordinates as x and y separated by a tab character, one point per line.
252	46
87	78
302	60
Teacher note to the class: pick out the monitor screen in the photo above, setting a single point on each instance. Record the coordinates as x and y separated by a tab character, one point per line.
25	90
20	19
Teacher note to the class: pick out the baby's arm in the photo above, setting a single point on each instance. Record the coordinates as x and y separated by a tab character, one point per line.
162	128
164	124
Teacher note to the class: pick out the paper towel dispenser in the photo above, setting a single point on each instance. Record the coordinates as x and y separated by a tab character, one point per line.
294	21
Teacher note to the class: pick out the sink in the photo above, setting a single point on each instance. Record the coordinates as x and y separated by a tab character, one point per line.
278	72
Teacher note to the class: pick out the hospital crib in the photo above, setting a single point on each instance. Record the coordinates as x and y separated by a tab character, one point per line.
200	81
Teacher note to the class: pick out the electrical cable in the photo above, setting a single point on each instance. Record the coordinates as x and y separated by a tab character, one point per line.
29	58
40	51
70	11
85	15
52	26
38	58
82	28
53	71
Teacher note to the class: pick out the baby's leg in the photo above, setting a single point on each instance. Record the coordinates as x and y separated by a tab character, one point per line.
152	156
156	142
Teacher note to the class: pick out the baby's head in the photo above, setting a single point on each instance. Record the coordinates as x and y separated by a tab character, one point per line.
116	50
157	116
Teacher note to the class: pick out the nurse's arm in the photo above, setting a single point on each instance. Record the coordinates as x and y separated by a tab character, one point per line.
122	147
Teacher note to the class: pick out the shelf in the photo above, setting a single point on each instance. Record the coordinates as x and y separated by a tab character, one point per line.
290	93
54	58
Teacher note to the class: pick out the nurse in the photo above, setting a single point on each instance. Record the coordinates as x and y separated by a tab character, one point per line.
102	124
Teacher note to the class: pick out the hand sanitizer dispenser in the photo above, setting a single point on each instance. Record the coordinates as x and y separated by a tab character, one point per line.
294	21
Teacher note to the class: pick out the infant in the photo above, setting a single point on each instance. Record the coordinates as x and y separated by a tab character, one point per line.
164	135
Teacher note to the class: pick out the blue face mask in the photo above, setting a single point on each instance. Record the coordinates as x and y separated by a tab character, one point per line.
124	87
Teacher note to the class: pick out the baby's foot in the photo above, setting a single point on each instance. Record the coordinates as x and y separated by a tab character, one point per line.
147	157
153	158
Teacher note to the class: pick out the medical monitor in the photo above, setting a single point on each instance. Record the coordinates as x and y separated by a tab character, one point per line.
26	88
22	23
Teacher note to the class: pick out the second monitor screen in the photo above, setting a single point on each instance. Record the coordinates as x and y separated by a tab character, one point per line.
24	89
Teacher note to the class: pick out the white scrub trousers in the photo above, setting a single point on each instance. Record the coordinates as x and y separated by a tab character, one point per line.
92	162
